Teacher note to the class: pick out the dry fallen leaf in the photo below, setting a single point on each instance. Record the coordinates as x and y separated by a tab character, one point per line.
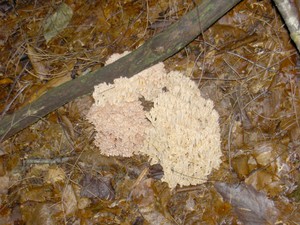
69	200
97	187
38	65
5	81
55	174
251	206
40	213
58	21
4	184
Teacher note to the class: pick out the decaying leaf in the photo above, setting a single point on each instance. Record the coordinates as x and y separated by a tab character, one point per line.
251	206
97	187
39	67
4	184
58	21
145	197
55	174
69	200
51	84
37	194
40	213
143	194
5	81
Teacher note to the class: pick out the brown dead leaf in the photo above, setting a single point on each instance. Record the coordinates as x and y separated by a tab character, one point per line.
266	151
251	206
69	200
5	81
264	180
240	165
39	67
3	161
37	194
4	184
57	22
143	193
67	124
55	174
51	84
97	187
40	213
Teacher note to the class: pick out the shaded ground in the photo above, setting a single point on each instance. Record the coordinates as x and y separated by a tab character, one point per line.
52	173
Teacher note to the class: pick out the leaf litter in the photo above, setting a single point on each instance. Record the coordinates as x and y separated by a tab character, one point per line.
52	173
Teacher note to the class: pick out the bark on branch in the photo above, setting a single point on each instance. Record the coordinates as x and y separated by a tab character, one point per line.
289	11
157	49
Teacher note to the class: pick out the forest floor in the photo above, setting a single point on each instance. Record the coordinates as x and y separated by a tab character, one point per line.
52	172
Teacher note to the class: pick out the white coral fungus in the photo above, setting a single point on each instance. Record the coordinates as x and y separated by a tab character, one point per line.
119	128
180	131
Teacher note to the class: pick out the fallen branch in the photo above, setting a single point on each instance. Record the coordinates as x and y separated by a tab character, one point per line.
155	50
289	11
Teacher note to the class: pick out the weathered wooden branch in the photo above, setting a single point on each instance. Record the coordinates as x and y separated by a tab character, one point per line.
157	49
289	11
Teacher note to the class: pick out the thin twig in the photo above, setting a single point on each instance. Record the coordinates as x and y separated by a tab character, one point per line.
12	101
59	160
250	61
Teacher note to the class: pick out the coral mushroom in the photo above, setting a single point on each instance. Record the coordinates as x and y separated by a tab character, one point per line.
119	128
179	130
